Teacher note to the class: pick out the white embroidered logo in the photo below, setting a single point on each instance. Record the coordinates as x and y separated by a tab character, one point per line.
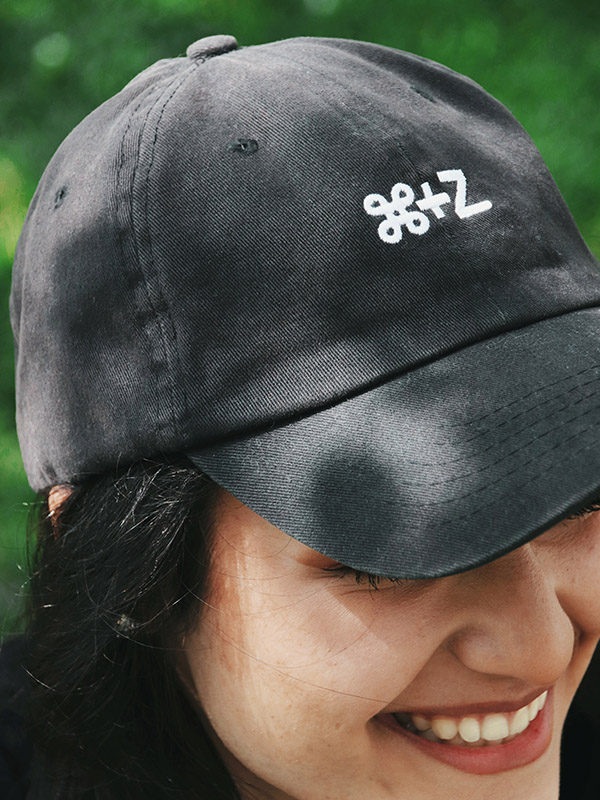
396	211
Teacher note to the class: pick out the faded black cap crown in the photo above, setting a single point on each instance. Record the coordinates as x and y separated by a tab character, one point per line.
340	277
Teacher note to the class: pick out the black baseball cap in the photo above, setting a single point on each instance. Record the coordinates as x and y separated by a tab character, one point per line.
340	278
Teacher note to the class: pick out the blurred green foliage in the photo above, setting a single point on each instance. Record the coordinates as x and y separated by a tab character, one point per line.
61	58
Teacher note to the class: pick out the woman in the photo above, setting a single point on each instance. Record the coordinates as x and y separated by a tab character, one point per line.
307	357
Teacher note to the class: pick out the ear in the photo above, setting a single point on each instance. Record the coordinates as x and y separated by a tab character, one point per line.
56	497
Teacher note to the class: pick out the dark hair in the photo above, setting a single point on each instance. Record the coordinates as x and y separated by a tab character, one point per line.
117	578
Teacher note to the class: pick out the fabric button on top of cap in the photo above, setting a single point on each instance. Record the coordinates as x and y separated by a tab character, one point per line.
212	46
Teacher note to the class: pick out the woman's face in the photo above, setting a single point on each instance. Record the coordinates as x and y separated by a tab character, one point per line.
298	668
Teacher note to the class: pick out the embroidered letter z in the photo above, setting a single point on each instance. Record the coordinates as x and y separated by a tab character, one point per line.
396	211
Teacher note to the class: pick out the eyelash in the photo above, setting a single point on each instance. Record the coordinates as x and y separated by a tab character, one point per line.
360	576
593	505
375	580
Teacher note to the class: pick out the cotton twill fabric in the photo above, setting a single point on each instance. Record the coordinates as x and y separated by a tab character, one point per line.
174	292
443	469
171	292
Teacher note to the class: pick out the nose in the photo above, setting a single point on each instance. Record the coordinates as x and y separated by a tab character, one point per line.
512	621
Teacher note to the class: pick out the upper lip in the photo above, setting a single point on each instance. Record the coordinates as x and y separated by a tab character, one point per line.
487	707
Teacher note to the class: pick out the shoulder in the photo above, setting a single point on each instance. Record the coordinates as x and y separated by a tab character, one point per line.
15	747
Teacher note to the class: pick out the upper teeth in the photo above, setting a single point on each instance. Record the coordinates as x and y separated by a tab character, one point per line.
471	729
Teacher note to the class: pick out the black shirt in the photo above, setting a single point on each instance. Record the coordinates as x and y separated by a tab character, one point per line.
15	747
21	780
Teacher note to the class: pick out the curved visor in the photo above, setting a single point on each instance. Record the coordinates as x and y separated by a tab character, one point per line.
444	468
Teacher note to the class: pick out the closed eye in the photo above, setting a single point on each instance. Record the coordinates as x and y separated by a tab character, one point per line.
589	508
360	576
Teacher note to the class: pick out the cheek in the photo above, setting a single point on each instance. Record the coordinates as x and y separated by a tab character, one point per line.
345	641
297	683
577	567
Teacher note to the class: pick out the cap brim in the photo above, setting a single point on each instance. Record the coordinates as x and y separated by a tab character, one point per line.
442	469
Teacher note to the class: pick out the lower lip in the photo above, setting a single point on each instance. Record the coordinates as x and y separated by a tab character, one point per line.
488	759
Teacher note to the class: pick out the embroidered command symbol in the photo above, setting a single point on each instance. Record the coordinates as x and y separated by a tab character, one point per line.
397	214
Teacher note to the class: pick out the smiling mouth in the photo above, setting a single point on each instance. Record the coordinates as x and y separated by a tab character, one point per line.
474	730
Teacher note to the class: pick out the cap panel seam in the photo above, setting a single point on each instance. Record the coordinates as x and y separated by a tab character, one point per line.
131	277
159	309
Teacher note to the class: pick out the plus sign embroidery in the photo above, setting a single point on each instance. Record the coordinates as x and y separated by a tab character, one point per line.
397	214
